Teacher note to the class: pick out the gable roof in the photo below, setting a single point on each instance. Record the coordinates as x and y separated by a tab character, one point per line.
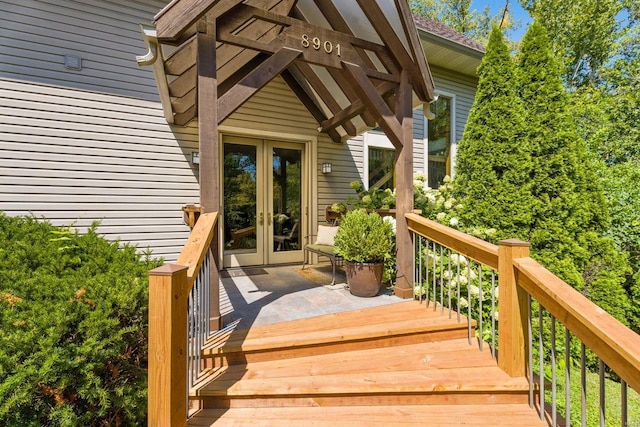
344	60
445	32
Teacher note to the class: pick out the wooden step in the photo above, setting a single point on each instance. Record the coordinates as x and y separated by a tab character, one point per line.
364	416
450	371
390	325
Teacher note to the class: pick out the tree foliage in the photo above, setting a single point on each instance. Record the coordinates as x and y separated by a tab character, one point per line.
458	15
73	327
583	33
493	163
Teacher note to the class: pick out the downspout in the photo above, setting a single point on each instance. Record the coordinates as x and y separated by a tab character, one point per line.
154	57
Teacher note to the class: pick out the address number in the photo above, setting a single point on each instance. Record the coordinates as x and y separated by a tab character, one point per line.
318	44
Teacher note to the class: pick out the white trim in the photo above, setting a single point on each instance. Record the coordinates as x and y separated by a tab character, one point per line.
453	144
310	156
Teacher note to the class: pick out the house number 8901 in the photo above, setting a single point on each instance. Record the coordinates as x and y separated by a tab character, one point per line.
317	44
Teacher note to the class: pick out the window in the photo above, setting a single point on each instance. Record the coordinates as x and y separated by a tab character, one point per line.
439	145
381	168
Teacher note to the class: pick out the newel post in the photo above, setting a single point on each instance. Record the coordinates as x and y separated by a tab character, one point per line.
167	370
512	307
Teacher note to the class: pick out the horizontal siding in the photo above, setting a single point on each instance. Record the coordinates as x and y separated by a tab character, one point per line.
464	90
91	145
36	35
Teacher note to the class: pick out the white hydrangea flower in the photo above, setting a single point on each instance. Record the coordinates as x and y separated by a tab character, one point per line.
453	222
458	259
441	216
417	183
430	197
463	280
474	290
448	204
420	176
464	303
446	179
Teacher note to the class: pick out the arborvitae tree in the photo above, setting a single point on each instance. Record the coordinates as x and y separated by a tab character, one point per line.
493	165
569	213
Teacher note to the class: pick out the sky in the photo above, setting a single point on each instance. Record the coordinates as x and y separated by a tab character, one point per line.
515	9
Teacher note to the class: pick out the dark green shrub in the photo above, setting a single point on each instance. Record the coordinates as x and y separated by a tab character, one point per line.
364	237
73	327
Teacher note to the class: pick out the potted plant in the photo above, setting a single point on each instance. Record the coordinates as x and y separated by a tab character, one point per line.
364	240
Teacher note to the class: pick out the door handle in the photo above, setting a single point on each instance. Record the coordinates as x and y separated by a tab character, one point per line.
261	220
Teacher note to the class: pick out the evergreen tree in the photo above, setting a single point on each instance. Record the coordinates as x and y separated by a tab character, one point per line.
493	163
569	212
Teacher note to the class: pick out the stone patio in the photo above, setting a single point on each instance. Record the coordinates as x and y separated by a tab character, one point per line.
260	296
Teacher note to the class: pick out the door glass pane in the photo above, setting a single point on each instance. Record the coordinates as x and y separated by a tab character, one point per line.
240	176
287	199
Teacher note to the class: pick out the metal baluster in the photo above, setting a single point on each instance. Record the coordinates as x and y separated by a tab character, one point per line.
567	375
426	271
554	407
434	278
530	333
441	279
419	243
583	384
493	314
541	357
449	278
602	402
458	285
480	313
623	404
469	300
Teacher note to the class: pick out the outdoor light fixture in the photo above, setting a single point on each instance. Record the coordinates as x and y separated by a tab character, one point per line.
326	168
195	157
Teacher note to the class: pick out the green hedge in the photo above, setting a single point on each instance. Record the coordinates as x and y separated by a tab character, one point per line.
73	327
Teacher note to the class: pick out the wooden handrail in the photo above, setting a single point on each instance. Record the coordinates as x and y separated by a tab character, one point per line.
472	247
197	245
614	343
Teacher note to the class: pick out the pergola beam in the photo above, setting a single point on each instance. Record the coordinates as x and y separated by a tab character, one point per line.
255	81
375	103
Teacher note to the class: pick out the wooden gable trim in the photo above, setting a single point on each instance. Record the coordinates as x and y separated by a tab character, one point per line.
178	16
388	35
255	81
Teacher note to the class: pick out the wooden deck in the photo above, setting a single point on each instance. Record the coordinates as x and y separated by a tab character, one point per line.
400	364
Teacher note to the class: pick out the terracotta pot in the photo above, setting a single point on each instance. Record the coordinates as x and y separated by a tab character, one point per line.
364	279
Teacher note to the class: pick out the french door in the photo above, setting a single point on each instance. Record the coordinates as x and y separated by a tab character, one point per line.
263	194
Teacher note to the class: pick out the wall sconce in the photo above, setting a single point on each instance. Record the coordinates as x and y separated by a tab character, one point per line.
326	168
195	157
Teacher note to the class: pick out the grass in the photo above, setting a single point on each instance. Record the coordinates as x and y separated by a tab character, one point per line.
612	400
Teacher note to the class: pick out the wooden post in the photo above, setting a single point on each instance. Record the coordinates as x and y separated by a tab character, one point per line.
167	367
209	154
512	309
404	190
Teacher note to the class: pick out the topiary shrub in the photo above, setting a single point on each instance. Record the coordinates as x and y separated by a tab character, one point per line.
73	327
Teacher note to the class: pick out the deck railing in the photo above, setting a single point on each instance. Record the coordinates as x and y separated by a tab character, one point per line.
458	273
179	319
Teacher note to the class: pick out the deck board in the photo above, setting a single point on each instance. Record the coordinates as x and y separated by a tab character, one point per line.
397	365
359	416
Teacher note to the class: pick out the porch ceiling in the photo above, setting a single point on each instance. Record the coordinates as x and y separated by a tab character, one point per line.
343	60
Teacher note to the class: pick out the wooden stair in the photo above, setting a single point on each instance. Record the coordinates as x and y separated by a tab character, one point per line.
400	364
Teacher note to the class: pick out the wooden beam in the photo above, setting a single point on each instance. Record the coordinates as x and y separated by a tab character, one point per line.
354	109
375	103
324	93
209	153
405	256
343	84
182	85
308	103
425	84
255	81
388	35
230	81
178	16
182	59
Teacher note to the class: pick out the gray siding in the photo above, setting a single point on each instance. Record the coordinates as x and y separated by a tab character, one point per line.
90	145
